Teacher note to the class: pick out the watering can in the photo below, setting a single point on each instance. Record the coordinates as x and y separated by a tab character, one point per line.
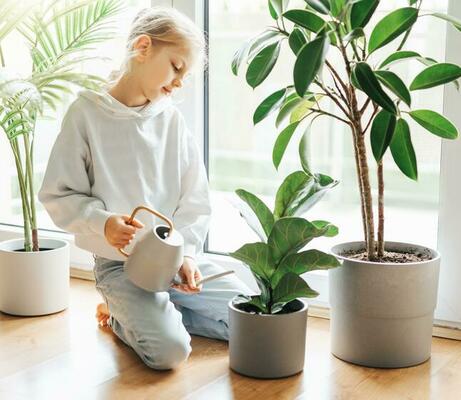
156	257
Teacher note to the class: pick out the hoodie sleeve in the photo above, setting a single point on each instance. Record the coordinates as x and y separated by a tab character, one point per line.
66	189
192	215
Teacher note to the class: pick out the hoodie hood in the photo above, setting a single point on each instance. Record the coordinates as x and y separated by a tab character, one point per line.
119	110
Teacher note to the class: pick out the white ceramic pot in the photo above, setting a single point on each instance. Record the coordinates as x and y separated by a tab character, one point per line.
34	283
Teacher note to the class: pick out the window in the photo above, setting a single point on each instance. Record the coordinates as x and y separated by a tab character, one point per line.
240	155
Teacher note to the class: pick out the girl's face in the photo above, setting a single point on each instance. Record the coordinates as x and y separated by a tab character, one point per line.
161	68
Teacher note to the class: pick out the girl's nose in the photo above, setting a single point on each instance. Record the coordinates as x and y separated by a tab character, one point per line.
177	83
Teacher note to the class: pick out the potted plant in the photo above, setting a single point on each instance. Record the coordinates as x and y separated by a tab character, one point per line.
384	295
268	331
34	276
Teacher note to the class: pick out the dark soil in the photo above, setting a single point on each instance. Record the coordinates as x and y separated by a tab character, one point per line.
288	308
390	256
40	249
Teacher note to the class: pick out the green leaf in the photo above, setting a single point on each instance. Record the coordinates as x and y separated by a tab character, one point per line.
321	6
382	130
306	19
299	192
291	103
399	55
290	234
268	105
435	123
303	150
308	63
262	64
301	110
306	261
370	85
282	142
392	26
290	287
336	7
362	11
437	74
261	211
297	40
402	150
395	84
258	257
454	21
272	10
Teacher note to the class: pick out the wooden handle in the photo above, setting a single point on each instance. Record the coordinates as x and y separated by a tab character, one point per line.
167	220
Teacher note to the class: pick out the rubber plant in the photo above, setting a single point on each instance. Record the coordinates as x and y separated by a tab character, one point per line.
60	35
368	94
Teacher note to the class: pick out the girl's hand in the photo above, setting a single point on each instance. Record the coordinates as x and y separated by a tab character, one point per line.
189	273
118	232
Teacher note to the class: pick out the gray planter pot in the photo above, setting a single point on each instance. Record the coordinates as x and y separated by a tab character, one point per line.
382	313
267	346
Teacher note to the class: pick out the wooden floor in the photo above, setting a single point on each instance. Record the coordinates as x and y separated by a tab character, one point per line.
68	356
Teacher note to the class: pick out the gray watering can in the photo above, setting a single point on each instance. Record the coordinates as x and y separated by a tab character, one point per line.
156	257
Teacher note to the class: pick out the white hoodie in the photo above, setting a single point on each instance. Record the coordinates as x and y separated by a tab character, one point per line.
109	158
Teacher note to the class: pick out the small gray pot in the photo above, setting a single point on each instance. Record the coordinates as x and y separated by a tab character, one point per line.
382	313
266	345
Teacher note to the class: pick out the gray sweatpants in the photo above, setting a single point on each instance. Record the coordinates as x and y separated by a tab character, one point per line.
157	325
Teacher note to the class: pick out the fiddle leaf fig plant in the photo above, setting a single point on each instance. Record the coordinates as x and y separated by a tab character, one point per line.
367	93
277	262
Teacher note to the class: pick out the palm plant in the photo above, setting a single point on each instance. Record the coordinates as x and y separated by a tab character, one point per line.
59	34
368	96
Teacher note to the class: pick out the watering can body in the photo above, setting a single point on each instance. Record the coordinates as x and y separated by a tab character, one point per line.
156	257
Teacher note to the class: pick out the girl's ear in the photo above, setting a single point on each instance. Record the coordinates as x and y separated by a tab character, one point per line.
142	46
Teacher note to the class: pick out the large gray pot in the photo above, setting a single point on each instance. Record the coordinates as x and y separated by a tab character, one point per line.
266	345
382	313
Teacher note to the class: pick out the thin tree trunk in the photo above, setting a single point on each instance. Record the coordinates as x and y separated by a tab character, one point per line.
367	202
380	210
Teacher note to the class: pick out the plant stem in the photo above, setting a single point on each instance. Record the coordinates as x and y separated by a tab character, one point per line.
331	115
361	161
380	209
31	199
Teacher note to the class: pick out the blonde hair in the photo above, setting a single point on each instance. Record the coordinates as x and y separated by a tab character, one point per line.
167	26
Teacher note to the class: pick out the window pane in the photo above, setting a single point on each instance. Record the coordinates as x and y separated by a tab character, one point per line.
18	59
241	154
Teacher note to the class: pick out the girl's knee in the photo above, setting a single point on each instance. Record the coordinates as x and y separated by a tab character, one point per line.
171	352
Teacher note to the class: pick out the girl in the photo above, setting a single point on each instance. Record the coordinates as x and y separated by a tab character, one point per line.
129	146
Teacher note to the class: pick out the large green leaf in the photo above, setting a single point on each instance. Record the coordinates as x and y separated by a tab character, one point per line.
261	41
290	234
281	143
258	257
362	11
392	26
261	211
262	64
382	130
303	262
306	19
308	63
370	85
290	287
437	74
299	192
330	230
395	84
337	6
402	150
435	123
269	104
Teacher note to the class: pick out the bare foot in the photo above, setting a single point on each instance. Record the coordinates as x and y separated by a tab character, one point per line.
102	314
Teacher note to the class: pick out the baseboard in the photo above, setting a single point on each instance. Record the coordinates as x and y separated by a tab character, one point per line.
313	311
